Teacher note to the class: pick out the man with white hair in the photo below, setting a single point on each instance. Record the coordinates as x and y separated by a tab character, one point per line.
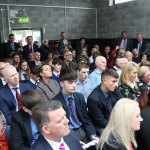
10	93
121	63
95	76
129	55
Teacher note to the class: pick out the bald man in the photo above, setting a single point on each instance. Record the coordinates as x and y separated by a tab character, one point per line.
9	93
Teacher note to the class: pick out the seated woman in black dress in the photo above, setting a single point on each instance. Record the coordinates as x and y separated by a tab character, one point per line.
119	133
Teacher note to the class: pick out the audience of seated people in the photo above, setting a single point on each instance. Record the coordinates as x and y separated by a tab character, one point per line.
91	89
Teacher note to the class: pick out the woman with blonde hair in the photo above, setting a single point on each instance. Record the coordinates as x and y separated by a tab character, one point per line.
127	82
144	76
119	132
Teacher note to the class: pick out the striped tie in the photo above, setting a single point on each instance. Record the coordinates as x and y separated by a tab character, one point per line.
109	104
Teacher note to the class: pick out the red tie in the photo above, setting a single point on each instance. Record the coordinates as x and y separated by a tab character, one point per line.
18	98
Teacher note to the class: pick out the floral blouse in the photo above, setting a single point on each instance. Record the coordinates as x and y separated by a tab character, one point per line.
129	92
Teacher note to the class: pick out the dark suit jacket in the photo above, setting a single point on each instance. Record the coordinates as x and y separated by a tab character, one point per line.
20	131
1	83
61	45
97	107
26	50
32	85
70	140
8	102
143	134
129	45
8	47
143	45
81	110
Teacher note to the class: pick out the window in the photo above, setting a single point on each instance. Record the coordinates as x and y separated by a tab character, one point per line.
114	2
121	1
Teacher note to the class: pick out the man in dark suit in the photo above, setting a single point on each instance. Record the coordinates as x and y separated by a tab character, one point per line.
102	99
11	45
63	42
30	47
75	106
23	131
55	130
124	42
10	93
140	43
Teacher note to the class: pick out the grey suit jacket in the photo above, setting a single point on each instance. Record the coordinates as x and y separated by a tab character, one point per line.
48	91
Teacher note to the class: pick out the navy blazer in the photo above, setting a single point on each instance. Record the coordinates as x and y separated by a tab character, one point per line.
20	131
81	110
70	140
8	101
144	42
97	107
26	50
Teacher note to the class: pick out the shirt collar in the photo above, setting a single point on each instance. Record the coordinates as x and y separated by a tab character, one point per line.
97	71
54	145
13	87
79	82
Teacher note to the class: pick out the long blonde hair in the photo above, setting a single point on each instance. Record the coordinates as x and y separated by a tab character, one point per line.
119	124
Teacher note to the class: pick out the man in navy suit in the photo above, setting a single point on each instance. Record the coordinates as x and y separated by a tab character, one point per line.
102	99
75	106
140	43
30	47
124	42
11	45
55	130
9	93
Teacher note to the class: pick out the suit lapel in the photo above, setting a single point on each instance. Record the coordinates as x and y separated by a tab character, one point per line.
60	97
27	126
10	95
45	144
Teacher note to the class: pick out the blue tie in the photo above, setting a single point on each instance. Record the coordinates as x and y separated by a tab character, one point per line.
109	104
25	76
72	110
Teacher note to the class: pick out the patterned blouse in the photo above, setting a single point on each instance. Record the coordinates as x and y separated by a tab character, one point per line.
129	92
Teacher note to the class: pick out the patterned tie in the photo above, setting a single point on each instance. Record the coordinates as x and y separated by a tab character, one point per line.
109	104
72	110
62	146
18	98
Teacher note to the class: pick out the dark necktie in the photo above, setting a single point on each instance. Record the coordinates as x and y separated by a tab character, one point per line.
109	104
140	46
72	110
25	76
62	146
18	98
31	50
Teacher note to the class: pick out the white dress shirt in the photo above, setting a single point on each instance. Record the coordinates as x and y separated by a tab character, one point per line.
56	145
14	93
